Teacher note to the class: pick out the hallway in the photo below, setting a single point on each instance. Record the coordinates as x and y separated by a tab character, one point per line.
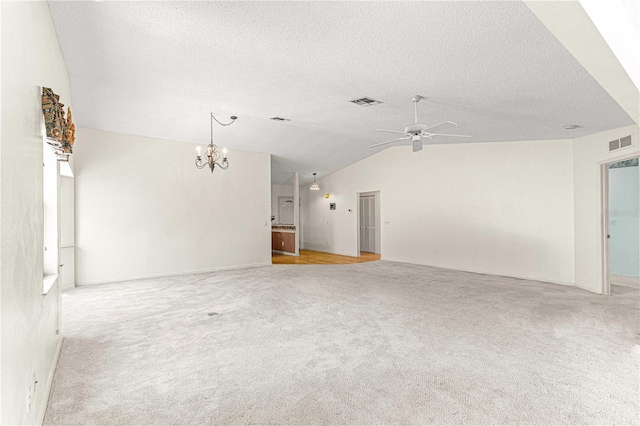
308	257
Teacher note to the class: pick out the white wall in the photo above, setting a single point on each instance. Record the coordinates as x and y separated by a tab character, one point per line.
143	209
501	208
597	52
614	23
588	152
624	224
279	191
31	58
67	220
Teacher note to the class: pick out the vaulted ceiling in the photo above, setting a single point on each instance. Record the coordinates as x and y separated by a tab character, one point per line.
158	69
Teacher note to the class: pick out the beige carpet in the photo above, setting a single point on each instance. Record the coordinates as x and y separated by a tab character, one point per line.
372	343
624	280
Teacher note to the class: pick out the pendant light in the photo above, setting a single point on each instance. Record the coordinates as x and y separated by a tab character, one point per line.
315	186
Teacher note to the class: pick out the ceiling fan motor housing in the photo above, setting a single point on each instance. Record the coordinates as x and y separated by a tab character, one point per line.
415	128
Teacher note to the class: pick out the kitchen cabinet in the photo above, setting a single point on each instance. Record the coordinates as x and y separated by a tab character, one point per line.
283	241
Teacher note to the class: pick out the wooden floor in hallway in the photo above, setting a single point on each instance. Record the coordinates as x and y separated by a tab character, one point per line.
308	257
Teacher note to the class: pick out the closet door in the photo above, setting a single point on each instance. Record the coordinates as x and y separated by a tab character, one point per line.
367	224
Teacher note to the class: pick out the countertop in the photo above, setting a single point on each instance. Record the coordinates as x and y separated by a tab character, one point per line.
286	228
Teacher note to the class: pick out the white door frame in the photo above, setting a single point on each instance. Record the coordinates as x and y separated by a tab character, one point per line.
604	218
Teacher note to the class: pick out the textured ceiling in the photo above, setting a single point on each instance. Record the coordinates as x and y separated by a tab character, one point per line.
158	68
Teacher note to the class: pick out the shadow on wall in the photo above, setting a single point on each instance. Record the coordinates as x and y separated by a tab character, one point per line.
477	248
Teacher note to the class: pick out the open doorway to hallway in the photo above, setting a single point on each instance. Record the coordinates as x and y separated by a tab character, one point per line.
620	228
623	222
310	257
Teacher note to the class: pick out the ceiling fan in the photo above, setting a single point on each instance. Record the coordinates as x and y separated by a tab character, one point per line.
417	131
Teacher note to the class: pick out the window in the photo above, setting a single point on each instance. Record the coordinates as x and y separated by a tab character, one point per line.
50	217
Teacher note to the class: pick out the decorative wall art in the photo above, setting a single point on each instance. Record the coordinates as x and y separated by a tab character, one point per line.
633	162
60	130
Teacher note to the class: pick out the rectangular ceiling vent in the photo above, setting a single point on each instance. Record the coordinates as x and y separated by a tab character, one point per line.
366	102
625	142
279	119
620	143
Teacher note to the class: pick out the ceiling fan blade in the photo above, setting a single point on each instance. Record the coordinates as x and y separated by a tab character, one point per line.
417	145
390	131
393	140
446	134
440	126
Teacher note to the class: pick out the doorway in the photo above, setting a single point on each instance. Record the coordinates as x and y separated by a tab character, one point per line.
369	240
620	223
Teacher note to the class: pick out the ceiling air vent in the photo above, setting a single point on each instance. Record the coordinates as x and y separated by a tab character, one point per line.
620	143
279	119
365	102
625	142
613	145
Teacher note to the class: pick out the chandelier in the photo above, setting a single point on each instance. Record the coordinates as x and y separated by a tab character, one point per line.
212	155
315	186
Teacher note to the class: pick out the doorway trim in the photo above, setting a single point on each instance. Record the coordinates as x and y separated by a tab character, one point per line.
378	204
603	258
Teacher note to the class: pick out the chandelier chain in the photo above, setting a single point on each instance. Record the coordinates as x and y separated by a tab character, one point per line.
233	118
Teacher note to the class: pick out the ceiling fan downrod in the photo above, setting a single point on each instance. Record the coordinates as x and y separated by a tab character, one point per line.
416	99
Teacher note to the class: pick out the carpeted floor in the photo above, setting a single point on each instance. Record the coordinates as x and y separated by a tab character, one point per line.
371	343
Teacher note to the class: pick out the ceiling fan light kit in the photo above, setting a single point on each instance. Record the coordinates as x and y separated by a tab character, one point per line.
417	131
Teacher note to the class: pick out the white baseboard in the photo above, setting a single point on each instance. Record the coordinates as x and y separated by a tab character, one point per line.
68	287
284	252
172	274
490	273
52	371
590	290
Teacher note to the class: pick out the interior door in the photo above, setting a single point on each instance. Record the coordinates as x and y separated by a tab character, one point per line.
368	223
